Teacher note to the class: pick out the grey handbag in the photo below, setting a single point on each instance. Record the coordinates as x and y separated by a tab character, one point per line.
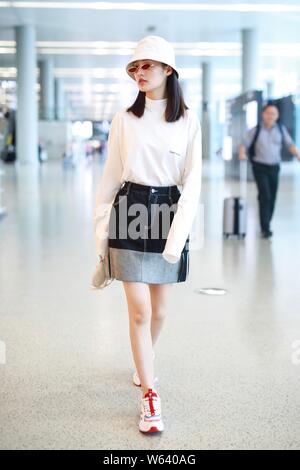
102	275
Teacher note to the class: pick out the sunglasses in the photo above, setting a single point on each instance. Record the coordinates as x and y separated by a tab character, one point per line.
135	68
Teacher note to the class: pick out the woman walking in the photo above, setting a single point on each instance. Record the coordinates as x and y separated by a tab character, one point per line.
153	146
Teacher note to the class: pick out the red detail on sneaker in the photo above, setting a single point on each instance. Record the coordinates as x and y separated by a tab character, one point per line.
150	392
150	395
154	429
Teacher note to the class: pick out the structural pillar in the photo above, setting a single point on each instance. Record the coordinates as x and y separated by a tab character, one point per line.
27	113
47	89
59	100
250	50
206	110
270	89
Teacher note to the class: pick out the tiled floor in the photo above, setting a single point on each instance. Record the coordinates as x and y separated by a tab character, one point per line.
227	365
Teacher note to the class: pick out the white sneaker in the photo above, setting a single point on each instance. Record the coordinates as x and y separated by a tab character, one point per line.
136	379
151	420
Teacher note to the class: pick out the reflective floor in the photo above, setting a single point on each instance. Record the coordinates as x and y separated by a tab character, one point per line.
228	367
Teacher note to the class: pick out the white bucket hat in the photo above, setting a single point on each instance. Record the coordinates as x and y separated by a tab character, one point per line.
155	48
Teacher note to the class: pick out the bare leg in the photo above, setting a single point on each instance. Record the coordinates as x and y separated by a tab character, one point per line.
139	310
159	298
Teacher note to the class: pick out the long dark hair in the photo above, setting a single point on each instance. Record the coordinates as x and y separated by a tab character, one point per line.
175	103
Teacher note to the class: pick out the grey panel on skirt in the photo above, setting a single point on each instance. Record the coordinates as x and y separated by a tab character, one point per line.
138	266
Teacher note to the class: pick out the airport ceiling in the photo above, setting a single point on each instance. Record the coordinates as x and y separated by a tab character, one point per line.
90	43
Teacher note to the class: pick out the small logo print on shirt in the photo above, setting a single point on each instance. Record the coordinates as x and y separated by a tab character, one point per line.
174	153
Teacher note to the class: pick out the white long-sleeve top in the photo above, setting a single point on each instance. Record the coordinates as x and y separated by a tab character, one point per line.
151	151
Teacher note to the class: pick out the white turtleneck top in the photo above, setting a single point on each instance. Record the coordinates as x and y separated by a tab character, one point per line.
151	151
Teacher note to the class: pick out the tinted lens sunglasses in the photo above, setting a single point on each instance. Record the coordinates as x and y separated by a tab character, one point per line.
135	68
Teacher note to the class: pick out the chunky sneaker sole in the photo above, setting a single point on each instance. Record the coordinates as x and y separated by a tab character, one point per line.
136	379
157	428
151	420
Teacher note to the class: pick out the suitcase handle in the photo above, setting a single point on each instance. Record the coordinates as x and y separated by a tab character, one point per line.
243	178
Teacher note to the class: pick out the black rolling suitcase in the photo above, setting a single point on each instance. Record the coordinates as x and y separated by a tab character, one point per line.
235	209
8	154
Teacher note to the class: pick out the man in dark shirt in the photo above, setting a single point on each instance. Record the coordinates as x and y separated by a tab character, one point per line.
266	161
